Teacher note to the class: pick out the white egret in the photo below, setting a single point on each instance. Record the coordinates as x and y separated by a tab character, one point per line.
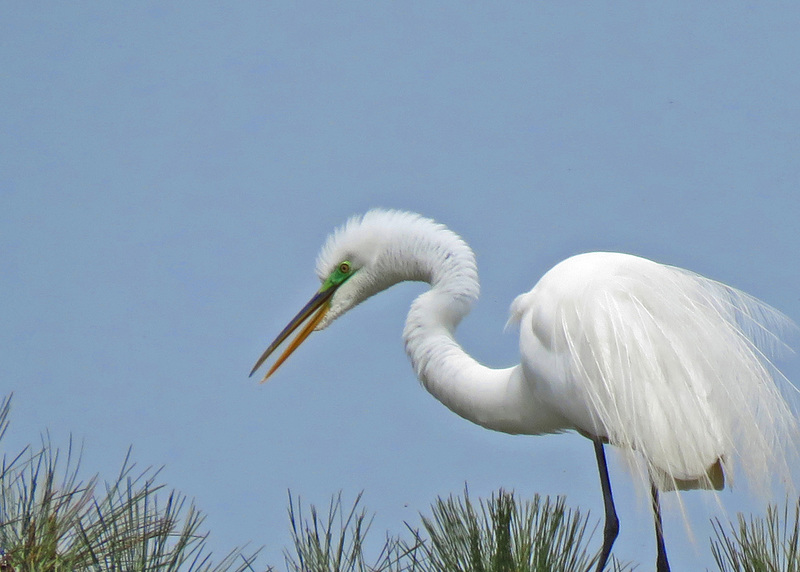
651	358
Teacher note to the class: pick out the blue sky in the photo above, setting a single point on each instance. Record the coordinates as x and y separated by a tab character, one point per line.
168	173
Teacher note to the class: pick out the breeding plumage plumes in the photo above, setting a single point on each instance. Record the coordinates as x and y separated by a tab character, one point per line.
653	359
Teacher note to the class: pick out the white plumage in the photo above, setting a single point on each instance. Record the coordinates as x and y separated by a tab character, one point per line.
654	359
660	361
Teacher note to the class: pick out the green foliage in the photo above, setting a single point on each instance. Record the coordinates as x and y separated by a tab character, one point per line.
505	535
51	521
335	542
769	544
499	535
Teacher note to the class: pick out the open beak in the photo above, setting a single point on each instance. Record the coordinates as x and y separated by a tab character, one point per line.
316	309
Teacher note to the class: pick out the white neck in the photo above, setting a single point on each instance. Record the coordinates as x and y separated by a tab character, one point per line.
498	399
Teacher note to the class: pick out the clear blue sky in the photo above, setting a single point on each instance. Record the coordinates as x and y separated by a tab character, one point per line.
167	175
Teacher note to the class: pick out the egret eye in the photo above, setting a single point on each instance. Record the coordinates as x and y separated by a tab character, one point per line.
344	267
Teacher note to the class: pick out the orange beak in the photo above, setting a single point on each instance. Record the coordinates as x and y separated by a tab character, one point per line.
316	309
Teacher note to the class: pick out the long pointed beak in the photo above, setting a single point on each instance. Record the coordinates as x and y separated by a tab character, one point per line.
316	309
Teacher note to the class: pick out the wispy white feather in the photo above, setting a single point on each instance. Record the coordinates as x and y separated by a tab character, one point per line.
671	365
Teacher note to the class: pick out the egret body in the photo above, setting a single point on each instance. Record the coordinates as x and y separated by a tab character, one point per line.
626	351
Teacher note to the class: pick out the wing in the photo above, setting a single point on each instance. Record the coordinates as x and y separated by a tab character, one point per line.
661	361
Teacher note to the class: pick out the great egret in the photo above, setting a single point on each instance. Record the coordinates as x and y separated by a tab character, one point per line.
650	358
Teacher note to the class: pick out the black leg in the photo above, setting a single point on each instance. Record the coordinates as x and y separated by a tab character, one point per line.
611	528
662	565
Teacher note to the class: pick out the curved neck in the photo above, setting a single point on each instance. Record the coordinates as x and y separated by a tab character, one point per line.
497	399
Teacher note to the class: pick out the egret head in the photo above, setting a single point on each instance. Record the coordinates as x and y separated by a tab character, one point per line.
358	260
